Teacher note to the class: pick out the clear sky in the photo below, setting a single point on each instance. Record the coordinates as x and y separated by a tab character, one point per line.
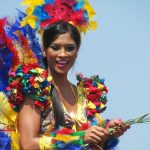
119	51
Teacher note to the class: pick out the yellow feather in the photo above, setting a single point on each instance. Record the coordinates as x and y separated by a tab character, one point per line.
65	138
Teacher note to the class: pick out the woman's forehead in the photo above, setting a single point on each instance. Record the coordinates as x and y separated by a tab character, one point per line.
64	38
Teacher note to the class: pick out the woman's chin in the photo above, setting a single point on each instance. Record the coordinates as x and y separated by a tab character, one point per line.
61	70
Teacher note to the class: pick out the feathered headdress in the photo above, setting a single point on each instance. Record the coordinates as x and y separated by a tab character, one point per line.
42	13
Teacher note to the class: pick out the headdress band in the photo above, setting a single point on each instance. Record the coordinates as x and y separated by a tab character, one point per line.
42	13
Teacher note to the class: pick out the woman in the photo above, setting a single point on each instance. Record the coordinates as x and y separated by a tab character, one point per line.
61	42
44	98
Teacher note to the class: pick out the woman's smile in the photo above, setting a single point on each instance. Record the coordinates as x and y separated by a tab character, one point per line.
61	63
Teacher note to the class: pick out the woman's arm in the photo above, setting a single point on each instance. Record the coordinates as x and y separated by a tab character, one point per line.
29	125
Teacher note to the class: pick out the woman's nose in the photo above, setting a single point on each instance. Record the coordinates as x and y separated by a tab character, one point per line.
62	52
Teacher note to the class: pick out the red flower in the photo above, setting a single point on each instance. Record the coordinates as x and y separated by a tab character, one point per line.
38	103
105	89
96	103
85	126
45	74
87	83
89	113
27	67
93	96
93	89
14	84
19	98
12	74
31	81
64	131
8	88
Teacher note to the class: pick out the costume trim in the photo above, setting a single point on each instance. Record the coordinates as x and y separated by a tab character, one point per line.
95	91
30	80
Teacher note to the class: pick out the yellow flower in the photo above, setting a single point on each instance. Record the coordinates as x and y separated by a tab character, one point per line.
40	79
39	70
102	105
91	105
47	89
38	93
49	78
36	85
85	90
100	86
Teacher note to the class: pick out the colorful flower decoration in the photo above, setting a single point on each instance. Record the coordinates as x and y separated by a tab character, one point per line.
95	91
42	13
31	80
64	138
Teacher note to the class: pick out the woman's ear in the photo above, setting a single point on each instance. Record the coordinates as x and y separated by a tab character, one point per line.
44	53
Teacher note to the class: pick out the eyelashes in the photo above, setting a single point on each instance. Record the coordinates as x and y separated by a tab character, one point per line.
54	47
68	47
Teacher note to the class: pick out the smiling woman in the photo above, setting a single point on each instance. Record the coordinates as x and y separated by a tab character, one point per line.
68	107
52	113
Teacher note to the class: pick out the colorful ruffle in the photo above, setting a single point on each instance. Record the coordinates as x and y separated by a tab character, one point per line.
30	80
95	92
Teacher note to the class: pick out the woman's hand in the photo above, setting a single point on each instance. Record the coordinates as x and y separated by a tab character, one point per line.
96	135
118	126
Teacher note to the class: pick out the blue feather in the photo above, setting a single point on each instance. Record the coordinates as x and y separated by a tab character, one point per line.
5	141
68	146
79	5
5	65
49	1
86	15
111	143
21	14
40	13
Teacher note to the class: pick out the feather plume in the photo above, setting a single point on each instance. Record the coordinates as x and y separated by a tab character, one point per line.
8	56
34	43
27	55
28	32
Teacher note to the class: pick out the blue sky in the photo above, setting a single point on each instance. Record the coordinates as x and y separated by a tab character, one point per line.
119	51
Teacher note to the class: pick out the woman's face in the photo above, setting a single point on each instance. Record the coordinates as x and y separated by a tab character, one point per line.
61	54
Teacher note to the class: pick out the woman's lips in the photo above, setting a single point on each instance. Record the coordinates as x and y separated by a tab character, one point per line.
61	63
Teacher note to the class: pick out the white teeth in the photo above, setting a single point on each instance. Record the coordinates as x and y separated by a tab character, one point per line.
62	62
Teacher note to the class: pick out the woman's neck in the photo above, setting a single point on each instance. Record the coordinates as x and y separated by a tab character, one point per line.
60	80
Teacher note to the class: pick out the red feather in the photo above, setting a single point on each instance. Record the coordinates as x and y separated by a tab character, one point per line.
5	41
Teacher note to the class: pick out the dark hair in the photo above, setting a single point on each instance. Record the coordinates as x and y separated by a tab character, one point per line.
49	35
58	28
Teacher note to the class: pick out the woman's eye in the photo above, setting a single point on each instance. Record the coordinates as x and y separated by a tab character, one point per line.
70	48
54	47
